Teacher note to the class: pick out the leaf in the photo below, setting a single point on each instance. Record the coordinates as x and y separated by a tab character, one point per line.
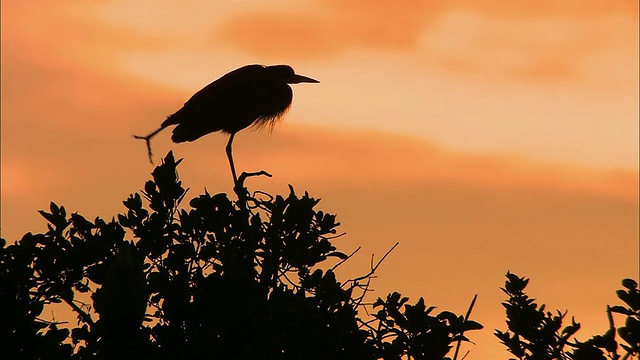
445	315
472	325
621	310
629	284
339	255
81	224
49	217
123	220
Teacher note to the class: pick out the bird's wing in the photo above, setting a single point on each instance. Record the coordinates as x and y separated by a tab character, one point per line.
227	104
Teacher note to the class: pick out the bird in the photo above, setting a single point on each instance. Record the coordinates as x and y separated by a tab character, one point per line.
251	96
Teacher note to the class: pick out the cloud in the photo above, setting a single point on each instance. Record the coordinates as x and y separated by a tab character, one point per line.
549	8
378	160
55	101
549	43
328	28
56	91
68	112
66	30
534	41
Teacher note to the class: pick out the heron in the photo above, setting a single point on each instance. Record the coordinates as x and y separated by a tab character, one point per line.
251	96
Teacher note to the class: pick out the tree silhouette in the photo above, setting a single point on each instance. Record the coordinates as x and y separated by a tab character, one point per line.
247	279
535	334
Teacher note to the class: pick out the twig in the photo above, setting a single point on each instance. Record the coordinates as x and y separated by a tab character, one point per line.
242	192
610	317
284	274
466	317
345	259
83	315
332	237
365	289
239	188
52	322
465	354
614	355
366	324
245	175
259	203
263	193
374	268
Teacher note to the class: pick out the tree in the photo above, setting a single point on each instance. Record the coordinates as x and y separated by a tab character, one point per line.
535	334
245	279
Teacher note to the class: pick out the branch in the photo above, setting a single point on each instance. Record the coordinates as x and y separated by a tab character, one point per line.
347	258
83	315
240	184
332	237
374	268
466	318
612	328
365	290
52	322
241	191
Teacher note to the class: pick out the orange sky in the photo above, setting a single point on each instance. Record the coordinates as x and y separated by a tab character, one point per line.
495	135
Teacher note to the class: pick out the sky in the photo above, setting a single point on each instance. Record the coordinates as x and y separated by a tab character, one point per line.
485	137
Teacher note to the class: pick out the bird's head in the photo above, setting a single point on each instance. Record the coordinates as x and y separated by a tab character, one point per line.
285	73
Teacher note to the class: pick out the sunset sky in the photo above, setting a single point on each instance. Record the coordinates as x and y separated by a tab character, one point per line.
484	136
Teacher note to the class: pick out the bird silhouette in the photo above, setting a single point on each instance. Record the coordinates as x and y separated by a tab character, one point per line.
253	95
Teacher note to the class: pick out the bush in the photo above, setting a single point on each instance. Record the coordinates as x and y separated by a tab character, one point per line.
248	279
535	334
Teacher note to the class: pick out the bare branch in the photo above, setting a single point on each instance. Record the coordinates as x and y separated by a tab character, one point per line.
374	268
81	313
466	317
347	258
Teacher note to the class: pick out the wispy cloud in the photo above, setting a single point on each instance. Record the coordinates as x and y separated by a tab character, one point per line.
535	41
328	27
378	160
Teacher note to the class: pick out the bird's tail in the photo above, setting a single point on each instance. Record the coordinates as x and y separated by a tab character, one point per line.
148	140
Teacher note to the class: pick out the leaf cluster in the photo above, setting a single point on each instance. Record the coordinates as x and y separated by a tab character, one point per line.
219	278
411	330
534	333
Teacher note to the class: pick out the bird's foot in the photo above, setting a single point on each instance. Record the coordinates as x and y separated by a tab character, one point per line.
147	139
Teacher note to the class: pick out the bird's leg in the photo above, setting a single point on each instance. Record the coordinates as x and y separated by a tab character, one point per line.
230	156
148	140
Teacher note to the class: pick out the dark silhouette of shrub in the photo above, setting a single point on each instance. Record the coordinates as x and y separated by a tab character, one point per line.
223	279
536	334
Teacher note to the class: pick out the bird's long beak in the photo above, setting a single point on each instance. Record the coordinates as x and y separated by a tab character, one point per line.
296	79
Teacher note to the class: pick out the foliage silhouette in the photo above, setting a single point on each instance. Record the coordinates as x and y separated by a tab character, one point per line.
535	334
245	279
